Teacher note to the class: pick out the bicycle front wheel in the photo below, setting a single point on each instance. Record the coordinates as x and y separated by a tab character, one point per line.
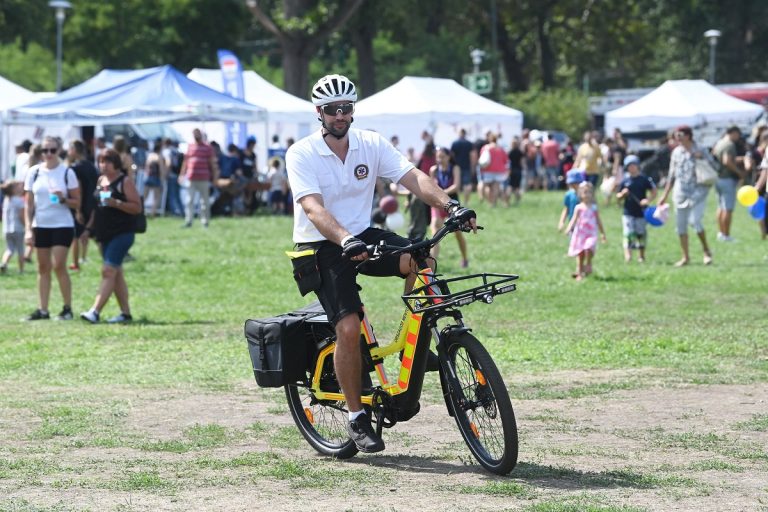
481	405
322	423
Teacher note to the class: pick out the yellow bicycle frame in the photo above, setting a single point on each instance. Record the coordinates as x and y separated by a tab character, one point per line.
405	341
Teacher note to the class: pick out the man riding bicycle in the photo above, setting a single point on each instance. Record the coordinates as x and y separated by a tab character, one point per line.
333	174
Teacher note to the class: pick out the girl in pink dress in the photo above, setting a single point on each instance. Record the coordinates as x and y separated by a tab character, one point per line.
584	227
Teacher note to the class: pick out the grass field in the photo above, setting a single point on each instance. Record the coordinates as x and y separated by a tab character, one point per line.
165	414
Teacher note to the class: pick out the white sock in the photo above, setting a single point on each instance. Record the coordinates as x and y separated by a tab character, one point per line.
353	415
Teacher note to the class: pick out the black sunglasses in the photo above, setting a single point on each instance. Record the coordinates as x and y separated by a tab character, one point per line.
333	110
51	151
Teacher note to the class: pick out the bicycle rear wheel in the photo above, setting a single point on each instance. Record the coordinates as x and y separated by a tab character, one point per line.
481	405
322	423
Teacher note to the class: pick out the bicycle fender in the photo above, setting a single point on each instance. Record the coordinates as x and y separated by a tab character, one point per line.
444	386
453	330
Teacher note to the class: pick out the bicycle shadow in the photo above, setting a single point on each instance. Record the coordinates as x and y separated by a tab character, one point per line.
537	474
567	478
416	464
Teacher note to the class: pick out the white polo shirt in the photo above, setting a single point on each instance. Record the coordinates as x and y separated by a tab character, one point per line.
346	187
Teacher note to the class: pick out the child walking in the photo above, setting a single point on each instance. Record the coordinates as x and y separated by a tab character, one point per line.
573	178
637	190
584	227
13	224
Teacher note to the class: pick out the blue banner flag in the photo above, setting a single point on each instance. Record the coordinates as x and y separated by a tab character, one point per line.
232	80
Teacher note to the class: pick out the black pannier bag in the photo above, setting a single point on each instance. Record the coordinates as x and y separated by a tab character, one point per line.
281	347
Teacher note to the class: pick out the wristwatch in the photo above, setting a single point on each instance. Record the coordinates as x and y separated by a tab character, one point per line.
451	206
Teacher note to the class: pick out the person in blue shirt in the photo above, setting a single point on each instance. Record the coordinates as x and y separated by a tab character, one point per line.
638	191
573	179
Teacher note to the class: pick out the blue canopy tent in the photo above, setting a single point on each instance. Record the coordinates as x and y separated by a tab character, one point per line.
152	95
160	94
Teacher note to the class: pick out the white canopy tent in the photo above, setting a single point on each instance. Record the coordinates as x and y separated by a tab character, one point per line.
286	114
695	103
438	105
13	95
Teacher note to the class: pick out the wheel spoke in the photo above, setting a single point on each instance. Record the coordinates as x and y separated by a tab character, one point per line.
479	406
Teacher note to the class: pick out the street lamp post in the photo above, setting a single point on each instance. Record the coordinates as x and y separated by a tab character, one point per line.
477	58
712	35
61	6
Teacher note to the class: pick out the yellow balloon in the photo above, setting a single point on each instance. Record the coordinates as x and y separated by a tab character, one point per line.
747	195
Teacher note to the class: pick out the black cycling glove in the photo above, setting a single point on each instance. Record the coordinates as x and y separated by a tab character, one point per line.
353	247
463	215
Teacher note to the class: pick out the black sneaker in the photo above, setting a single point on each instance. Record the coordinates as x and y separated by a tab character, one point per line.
66	314
39	315
362	433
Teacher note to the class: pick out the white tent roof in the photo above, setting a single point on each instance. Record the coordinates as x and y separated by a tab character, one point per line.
280	105
440	106
13	95
693	102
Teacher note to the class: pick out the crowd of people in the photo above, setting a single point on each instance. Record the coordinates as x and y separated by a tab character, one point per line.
205	180
599	164
57	201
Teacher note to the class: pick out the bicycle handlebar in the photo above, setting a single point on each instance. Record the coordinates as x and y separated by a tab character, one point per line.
451	225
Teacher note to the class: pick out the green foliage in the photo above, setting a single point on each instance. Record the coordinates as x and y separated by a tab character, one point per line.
541	45
262	66
33	68
554	109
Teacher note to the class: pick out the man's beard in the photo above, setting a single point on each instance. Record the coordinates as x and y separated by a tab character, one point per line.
339	134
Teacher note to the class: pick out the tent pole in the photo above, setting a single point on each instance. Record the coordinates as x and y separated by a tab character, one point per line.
5	145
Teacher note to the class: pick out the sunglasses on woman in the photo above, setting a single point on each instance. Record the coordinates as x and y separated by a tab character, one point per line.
333	110
50	151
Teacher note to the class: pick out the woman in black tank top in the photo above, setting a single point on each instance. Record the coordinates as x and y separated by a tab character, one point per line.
113	223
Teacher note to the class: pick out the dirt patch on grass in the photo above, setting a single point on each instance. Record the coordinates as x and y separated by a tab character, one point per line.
665	447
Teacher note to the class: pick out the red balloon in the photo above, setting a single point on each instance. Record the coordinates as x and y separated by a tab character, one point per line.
388	204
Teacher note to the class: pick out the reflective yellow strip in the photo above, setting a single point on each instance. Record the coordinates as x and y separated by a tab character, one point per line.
370	337
298	254
410	349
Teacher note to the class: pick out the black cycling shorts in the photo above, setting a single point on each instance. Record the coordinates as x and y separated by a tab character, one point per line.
339	293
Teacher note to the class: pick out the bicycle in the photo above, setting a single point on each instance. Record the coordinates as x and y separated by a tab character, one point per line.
473	389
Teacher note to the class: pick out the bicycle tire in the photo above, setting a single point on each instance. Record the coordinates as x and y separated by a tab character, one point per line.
483	412
322	423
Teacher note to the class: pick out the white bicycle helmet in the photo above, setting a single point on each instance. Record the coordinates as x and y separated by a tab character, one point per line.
333	88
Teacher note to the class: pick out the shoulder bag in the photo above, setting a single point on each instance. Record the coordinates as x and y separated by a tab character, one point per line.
706	174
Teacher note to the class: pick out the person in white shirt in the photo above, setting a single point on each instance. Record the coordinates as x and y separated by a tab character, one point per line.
278	185
332	174
51	191
22	160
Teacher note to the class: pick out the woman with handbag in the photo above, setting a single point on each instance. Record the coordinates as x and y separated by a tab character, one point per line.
689	196
113	224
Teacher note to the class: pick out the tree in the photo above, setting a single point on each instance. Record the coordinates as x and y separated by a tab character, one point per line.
301	26
128	34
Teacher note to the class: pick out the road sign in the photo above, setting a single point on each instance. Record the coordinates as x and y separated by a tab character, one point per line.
480	82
